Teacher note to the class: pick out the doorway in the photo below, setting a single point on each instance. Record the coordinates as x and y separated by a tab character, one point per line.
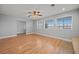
21	27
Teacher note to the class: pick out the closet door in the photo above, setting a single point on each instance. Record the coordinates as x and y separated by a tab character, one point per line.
21	27
29	26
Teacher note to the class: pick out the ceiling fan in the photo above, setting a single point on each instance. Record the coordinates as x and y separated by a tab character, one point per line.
34	13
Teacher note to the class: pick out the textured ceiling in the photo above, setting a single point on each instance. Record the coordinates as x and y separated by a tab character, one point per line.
21	10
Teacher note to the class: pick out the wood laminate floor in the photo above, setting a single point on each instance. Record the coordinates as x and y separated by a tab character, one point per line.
34	44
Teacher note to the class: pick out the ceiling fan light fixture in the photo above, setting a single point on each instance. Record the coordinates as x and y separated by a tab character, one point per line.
34	13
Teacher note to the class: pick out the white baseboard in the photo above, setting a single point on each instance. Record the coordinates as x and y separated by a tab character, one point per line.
29	33
7	36
55	37
39	34
12	36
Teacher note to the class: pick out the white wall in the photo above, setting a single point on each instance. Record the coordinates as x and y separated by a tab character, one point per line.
66	34
8	25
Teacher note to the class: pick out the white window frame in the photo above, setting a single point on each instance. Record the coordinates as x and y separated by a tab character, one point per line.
64	17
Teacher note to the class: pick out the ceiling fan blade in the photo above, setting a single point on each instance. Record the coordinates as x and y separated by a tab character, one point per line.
34	12
38	12
29	15
29	12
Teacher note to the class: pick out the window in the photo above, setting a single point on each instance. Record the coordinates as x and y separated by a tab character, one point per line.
49	24
65	23
60	23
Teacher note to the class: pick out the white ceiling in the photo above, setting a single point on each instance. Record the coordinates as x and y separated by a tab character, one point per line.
21	10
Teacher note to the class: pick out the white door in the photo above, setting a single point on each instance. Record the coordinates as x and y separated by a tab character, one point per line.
21	27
